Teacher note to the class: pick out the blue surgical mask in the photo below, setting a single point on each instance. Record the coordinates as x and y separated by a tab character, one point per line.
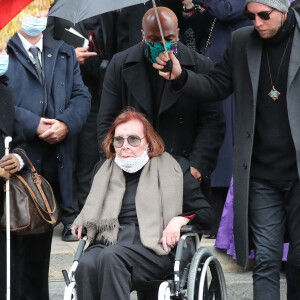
154	49
33	26
4	59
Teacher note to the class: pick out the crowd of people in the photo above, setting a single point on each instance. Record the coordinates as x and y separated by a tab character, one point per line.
133	152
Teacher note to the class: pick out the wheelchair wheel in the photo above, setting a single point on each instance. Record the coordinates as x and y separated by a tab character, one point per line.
206	279
164	292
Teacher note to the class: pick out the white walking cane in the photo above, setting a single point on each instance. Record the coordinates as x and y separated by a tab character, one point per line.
7	200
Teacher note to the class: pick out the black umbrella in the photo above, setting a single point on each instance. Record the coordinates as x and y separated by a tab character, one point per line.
78	10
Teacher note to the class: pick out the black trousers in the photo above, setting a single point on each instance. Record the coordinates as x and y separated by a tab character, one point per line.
111	272
217	199
30	257
274	211
86	158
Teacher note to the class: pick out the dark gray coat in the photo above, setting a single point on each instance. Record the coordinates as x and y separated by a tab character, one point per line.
239	73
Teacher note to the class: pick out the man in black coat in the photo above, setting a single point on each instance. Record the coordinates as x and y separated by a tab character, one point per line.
261	67
188	128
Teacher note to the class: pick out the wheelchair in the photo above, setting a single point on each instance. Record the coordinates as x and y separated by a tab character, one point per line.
198	278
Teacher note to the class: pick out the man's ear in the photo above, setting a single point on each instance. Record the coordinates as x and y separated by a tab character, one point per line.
143	35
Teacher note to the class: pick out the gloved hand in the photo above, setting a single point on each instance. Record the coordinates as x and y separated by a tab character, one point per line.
4	174
10	163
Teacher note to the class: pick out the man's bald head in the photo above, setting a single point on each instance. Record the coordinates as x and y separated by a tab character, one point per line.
169	23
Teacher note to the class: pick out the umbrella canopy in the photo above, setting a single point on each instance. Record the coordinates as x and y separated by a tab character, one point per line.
78	10
10	14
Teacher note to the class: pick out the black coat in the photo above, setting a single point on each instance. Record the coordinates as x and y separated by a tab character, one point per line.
9	126
239	72
93	69
188	128
67	99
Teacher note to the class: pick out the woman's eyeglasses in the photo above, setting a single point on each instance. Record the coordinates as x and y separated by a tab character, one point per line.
133	140
264	15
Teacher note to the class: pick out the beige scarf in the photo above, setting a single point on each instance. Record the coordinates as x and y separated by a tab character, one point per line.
158	199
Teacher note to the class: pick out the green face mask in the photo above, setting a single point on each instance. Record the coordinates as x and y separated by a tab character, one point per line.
154	49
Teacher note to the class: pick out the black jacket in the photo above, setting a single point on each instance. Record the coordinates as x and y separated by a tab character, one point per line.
9	126
189	128
93	69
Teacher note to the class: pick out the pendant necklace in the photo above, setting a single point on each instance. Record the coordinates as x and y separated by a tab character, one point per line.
274	94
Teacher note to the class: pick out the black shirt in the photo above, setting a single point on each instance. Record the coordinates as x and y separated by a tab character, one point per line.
128	210
274	155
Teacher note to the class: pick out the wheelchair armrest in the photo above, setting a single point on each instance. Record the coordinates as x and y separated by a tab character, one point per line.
189	229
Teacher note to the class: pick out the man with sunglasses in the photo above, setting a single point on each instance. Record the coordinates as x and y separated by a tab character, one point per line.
261	66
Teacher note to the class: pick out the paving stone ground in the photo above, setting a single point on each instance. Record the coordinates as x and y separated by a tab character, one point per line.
238	281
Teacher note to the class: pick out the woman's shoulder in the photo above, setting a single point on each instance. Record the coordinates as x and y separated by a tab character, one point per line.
183	162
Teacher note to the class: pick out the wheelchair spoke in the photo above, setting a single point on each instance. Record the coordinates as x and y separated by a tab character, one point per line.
206	279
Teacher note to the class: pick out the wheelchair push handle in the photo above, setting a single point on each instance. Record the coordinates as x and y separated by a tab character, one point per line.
189	229
80	248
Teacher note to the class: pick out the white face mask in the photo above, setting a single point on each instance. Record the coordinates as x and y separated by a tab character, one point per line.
4	59
132	164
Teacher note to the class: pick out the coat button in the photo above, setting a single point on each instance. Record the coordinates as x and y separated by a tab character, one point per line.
62	83
41	102
208	175
62	56
180	120
61	110
248	134
245	166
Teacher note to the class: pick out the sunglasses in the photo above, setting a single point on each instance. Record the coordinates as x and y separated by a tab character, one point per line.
264	15
133	140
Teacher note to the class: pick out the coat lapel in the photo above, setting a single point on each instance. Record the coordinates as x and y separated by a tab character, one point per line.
294	58
136	78
50	52
254	53
293	103
170	97
22	55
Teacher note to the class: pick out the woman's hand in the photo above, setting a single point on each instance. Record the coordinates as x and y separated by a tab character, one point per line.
171	234
10	163
77	231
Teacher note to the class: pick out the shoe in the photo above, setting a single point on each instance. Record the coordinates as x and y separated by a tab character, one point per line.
67	235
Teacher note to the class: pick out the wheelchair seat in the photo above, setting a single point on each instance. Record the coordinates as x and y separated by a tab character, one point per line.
197	274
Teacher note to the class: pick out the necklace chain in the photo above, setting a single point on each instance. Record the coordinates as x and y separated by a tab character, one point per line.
274	94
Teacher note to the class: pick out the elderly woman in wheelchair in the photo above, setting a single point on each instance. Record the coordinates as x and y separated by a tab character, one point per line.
139	200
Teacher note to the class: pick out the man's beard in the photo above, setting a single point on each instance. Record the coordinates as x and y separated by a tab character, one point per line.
268	34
